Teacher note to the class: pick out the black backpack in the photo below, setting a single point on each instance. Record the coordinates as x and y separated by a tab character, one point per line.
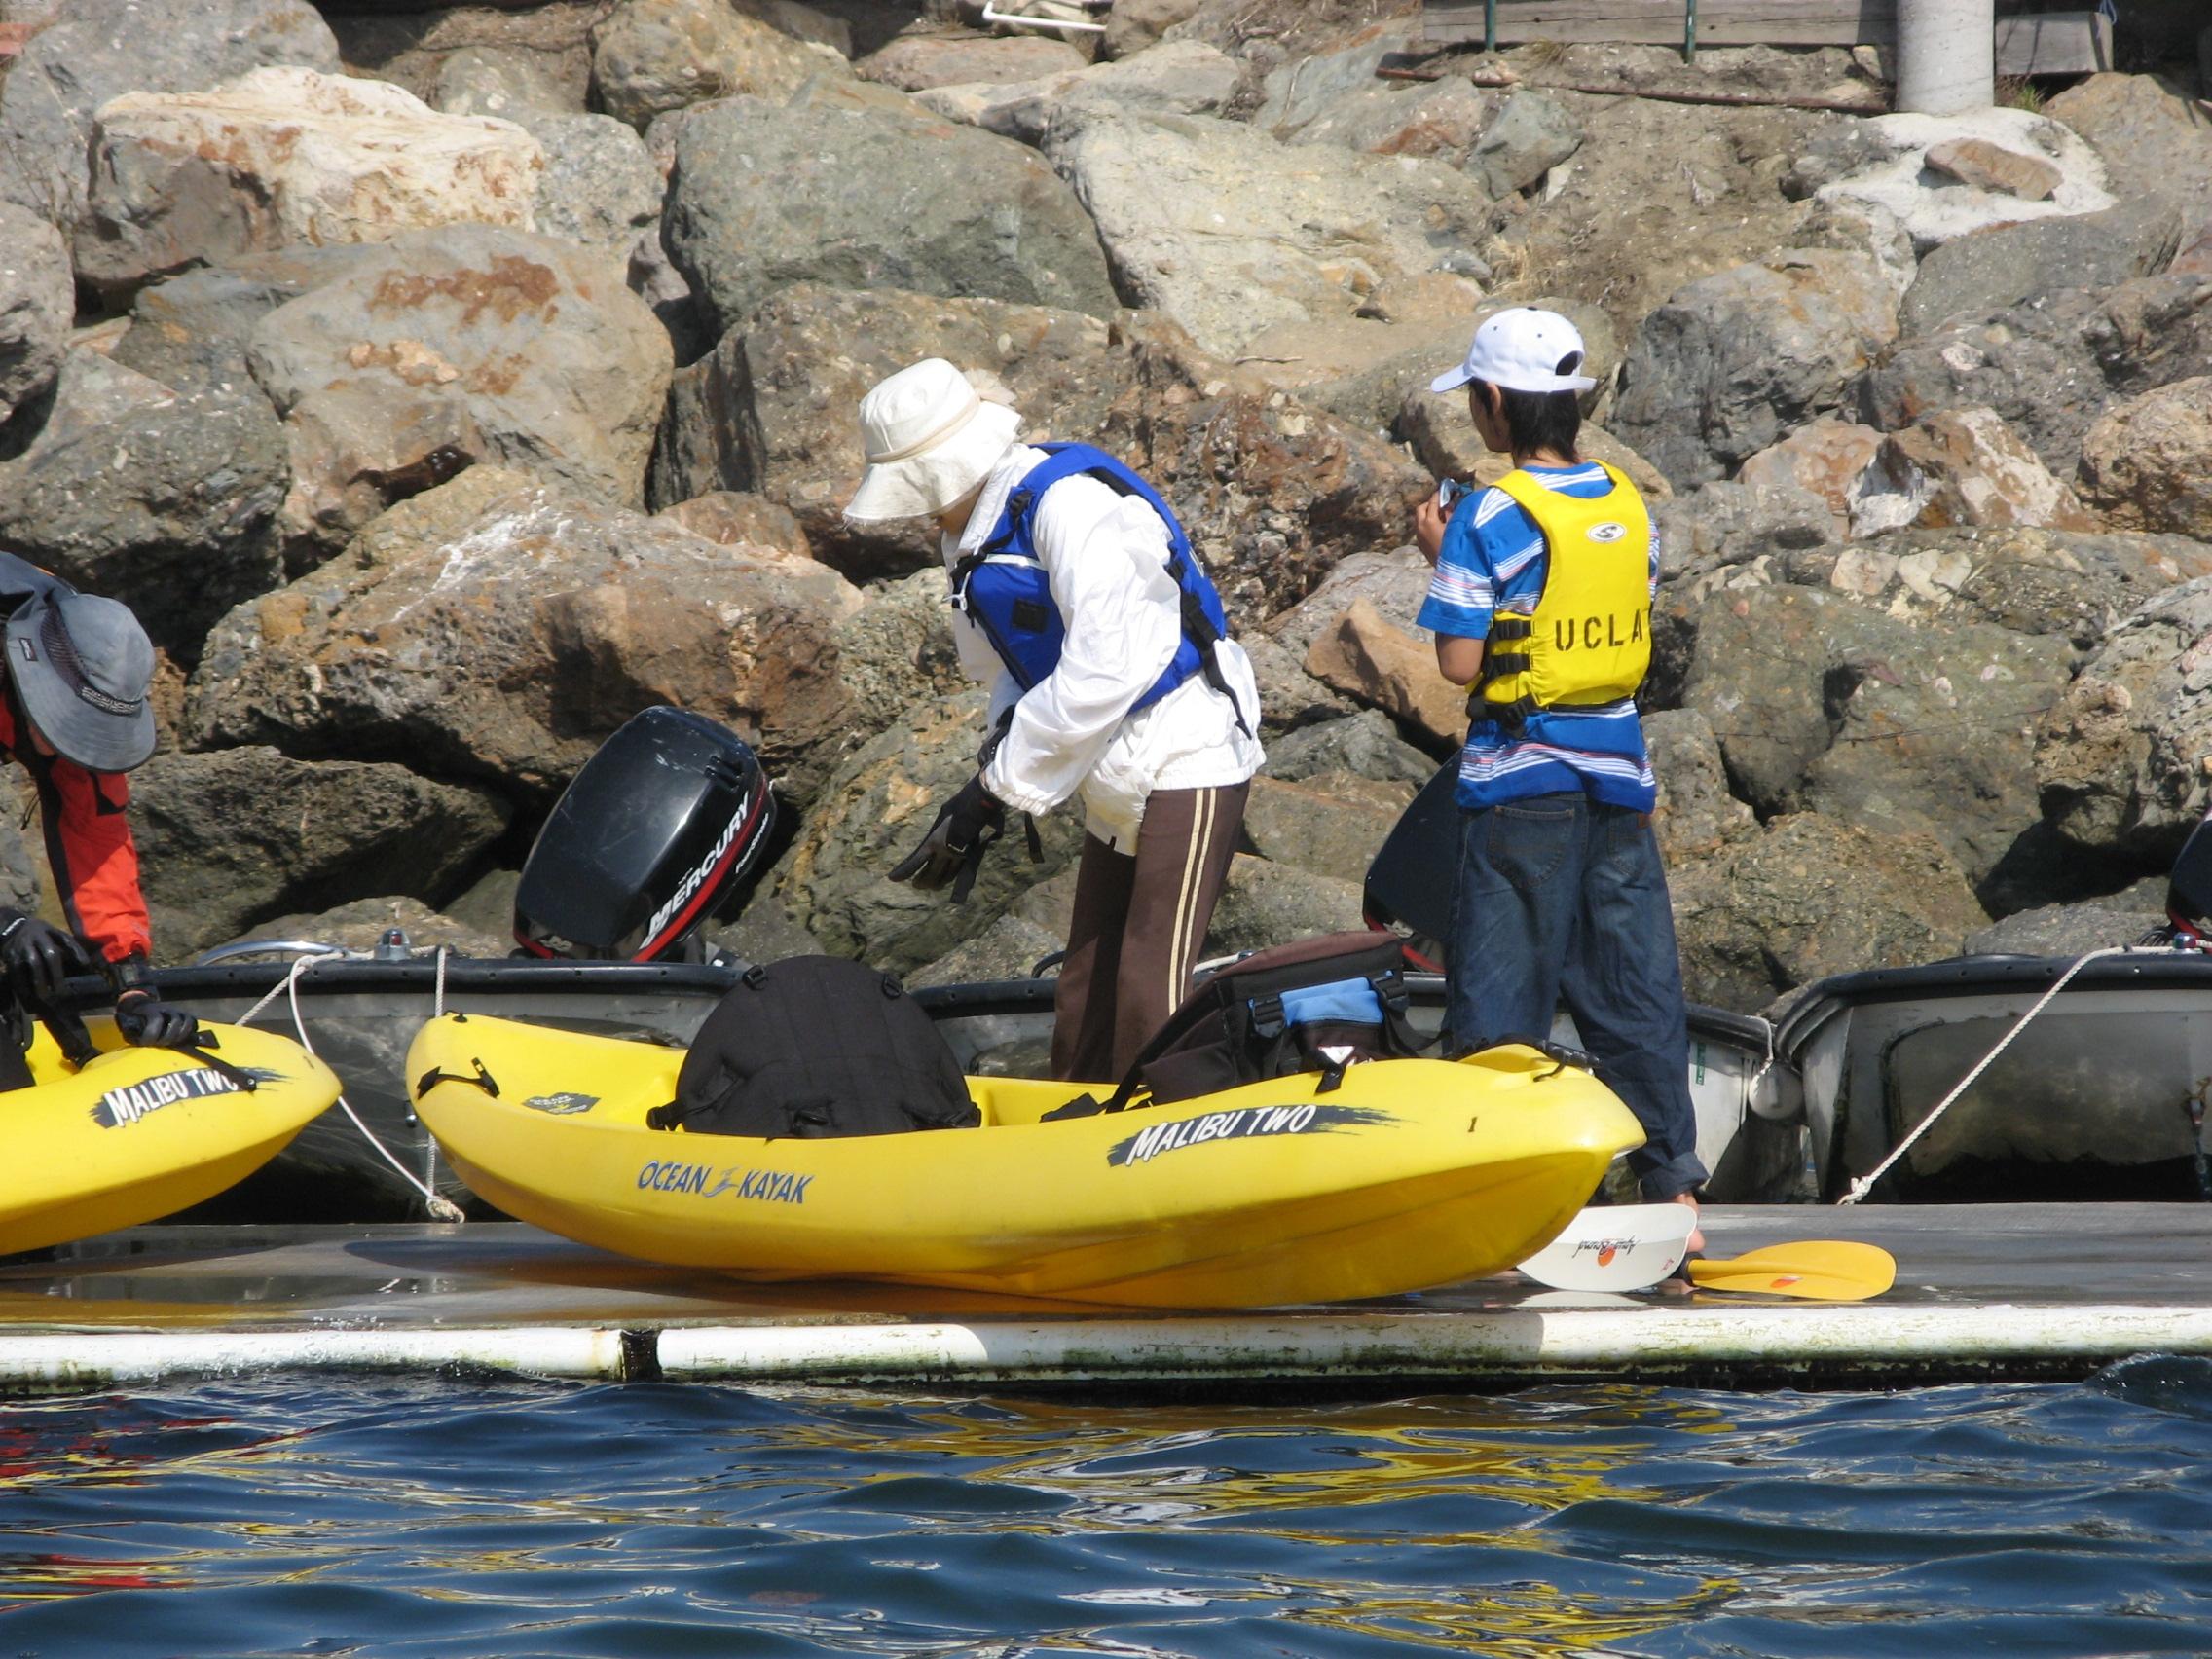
1312	1005
814	1047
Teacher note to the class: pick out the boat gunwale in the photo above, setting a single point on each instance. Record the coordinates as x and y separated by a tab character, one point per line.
1987	974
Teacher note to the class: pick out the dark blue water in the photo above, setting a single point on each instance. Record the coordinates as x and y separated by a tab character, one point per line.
299	1516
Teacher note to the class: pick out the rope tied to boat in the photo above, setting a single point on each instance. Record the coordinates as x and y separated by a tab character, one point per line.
1865	1184
439	1207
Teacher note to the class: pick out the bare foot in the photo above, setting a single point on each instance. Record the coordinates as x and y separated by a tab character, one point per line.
1696	1245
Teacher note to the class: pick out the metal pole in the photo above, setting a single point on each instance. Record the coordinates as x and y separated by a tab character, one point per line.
1946	56
1489	25
1689	31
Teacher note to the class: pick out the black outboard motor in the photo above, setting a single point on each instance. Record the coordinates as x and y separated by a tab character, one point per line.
663	827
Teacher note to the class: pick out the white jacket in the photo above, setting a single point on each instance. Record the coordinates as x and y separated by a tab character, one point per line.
1105	555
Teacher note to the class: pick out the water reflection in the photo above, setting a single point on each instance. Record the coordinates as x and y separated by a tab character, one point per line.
281	1516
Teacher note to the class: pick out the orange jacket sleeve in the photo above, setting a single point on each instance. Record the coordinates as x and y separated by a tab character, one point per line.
94	859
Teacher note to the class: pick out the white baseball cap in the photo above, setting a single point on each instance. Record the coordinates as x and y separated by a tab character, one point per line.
1521	349
930	440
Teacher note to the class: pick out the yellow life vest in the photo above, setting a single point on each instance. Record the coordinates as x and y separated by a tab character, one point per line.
1589	641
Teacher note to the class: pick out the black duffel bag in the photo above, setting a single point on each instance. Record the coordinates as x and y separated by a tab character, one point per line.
814	1047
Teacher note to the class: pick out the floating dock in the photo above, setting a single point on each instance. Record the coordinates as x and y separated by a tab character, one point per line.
1983	1291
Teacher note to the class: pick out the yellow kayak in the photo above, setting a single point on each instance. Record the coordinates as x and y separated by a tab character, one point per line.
140	1134
1411	1173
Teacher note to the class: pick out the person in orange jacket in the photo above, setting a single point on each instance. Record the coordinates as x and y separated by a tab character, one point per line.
74	713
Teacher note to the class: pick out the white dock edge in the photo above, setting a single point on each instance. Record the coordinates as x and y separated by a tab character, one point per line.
46	1362
1669	1341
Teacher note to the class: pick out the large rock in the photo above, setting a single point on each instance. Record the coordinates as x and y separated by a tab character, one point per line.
2064	584
1308	829
2148	464
2050	368
510	84
1808	897
1232	235
192	332
1820	703
1531	135
1389	667
282	155
1734	361
430	49
652	55
1365	744
458	346
1443	120
774	409
913	62
160	498
896	653
1828	457
233	839
600	188
1267	904
2153	139
1960	466
1182	78
764	197
1301	91
2006	265
498	627
103	48
1886	161
2121	756
1694	816
37	304
873	811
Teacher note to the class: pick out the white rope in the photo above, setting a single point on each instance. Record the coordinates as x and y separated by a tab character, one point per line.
1865	1183
440	1208
438	995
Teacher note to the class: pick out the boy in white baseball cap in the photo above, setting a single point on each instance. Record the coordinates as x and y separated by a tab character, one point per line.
1542	605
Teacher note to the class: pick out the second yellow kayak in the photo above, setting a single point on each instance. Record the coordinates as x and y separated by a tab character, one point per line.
1409	1174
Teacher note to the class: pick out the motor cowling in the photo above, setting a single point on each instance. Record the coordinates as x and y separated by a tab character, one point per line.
665	827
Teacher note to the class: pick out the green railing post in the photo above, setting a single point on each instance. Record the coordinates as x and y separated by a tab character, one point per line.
1689	31
1489	25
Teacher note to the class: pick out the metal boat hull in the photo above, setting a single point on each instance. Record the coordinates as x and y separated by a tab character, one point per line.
2091	1100
361	1015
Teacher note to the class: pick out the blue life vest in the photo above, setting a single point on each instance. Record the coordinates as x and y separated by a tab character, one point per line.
1003	588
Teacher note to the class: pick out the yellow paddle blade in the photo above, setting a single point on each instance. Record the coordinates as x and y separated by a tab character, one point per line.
1817	1270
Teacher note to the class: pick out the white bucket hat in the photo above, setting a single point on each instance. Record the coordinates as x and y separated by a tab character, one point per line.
930	440
1521	349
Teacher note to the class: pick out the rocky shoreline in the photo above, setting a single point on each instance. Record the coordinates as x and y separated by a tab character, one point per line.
442	386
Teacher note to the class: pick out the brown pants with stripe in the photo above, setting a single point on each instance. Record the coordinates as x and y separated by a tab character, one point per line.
1139	921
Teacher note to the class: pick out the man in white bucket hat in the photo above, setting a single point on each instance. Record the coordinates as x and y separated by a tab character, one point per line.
1077	599
1542	605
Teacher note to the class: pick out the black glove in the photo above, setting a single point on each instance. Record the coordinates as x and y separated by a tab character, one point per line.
149	1023
37	956
965	825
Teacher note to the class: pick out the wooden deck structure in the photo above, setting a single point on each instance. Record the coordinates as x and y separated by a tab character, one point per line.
2028	43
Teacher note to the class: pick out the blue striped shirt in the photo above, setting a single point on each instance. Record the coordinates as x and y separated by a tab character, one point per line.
1494	560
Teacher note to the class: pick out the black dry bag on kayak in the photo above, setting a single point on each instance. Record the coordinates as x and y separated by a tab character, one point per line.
814	1047
1312	1005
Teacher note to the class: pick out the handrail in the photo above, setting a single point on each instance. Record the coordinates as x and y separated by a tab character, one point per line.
266	948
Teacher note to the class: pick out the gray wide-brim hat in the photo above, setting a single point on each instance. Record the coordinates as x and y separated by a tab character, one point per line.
83	667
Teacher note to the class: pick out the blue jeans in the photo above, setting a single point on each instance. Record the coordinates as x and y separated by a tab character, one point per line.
1561	897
